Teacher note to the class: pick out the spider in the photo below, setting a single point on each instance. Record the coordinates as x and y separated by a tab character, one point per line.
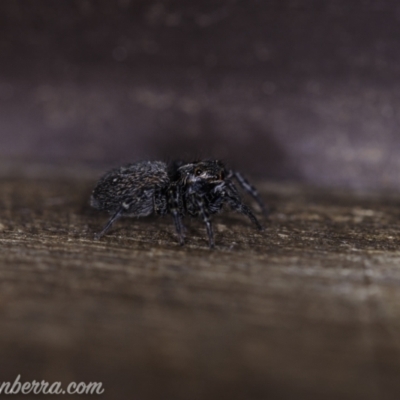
198	189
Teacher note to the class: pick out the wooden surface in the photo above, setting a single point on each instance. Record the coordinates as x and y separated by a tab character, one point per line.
308	309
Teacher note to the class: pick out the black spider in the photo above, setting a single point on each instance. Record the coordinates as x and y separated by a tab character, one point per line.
199	188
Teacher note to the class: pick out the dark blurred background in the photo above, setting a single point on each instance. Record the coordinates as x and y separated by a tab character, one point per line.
301	90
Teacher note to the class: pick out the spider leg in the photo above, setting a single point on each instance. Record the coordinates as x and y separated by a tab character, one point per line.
173	205
108	225
236	204
249	188
206	218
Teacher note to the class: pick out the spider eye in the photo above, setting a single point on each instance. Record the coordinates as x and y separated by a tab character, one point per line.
198	172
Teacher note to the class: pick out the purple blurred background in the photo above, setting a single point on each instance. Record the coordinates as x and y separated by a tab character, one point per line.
295	90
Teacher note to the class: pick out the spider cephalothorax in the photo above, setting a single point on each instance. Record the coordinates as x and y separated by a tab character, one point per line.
199	188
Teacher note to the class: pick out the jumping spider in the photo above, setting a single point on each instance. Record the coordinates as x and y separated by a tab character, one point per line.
199	188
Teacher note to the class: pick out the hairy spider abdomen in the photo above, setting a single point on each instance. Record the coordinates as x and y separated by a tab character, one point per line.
135	189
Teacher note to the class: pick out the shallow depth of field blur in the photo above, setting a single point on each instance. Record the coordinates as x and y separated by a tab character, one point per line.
295	90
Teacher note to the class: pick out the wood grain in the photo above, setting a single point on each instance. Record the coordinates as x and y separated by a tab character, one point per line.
310	308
